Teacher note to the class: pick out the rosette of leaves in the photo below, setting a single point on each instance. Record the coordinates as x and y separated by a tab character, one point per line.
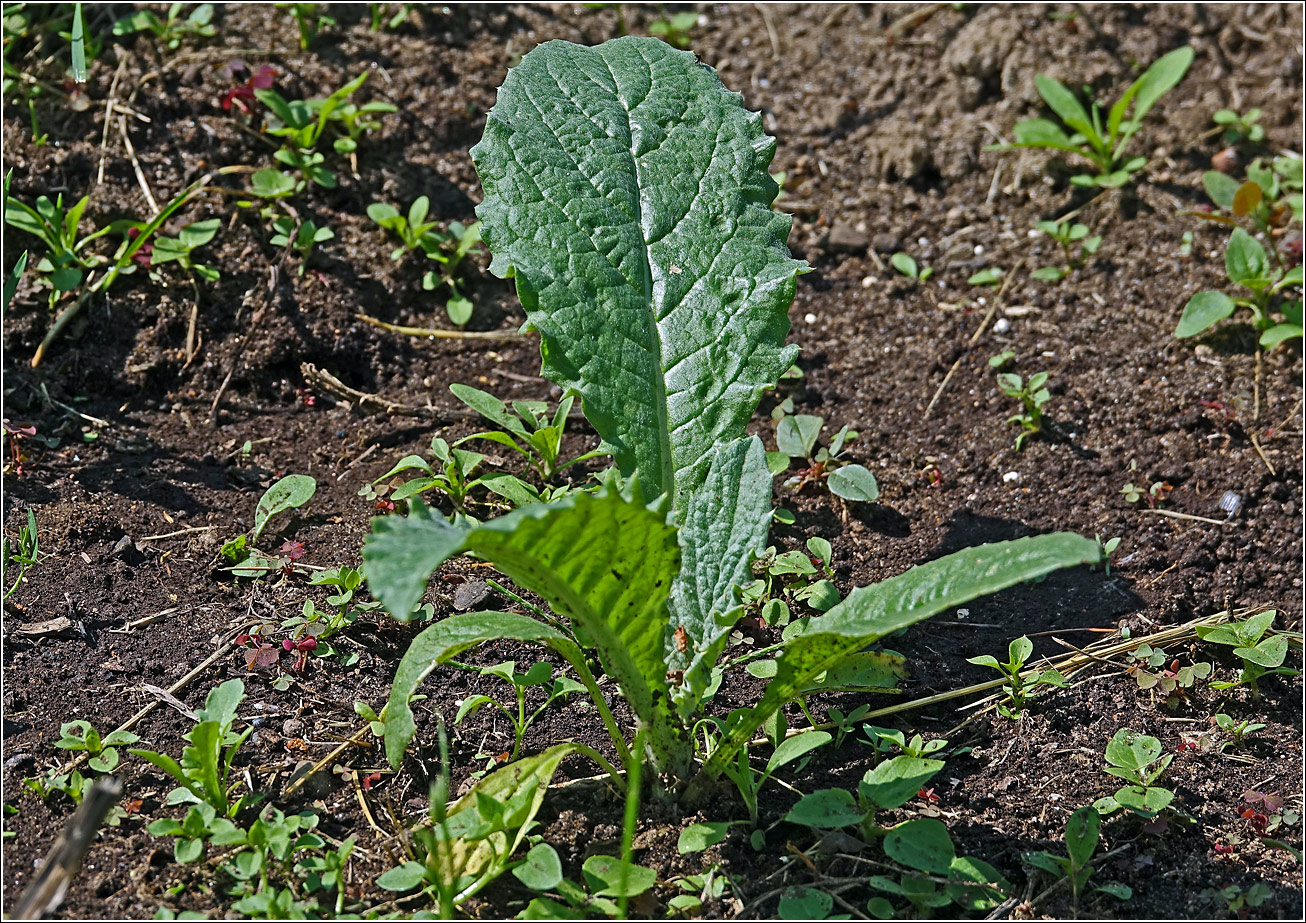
627	195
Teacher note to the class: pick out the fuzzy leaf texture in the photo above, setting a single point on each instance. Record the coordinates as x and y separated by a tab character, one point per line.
626	189
601	561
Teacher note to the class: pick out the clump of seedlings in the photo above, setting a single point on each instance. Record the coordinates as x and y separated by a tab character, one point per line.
795	438
1101	143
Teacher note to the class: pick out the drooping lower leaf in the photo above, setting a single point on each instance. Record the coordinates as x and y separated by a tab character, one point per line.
872	612
601	561
627	191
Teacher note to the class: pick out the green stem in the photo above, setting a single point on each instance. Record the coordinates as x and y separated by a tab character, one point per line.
629	822
607	766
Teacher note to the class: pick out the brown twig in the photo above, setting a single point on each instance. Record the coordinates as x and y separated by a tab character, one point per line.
255	320
325	381
984	325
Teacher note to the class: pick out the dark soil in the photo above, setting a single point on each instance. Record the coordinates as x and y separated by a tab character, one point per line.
882	143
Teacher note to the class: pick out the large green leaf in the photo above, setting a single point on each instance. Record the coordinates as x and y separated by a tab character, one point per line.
601	561
872	612
627	191
725	523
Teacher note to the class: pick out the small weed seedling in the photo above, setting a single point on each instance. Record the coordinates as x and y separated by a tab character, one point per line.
907	266
1103	146
179	249
527	429
886	740
1150	671
308	20
243	96
1267	201
1238	731
749	781
1248	266
302	123
301	237
289	493
20	265
791	576
1236	899
795	437
24	555
1240	129
1018	688
172	30
675	29
318	625
81	736
1260	654
447	249
1082	833
454	479
1154	493
203	775
1265	812
1033	395
397	17
1137	759
990	276
1066	234
64	265
540	674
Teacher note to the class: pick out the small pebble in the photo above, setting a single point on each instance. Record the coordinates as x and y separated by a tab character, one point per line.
1010	477
810	318
1002	326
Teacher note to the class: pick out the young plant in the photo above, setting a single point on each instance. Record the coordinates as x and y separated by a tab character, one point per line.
1240	129
308	20
1238	731
749	781
795	437
25	554
540	674
447	249
1154	493
455	479
11	280
907	266
791	576
320	625
172	30
1248	266
669	322
179	249
301	123
1260	654
1137	759
1032	395
1103	146
527	429
1066	234
289	493
80	735
204	774
301	236
1150	671
675	29
990	276
1267	201
64	265
885	740
1077	865
1018	688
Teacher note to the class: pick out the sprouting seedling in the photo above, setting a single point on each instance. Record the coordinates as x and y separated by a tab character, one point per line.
179	249
1076	865
1267	201
906	265
300	236
1260	653
243	96
447	249
539	674
1033	395
675	29
289	493
1240	129
172	30
103	753
1102	145
1248	266
308	20
749	781
64	264
528	429
1066	234
1155	670
1018	687
1137	759
795	438
455	478
26	554
1238	730
990	276
302	123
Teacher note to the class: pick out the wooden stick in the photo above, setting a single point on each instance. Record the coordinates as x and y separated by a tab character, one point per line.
325	381
997	302
64	860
